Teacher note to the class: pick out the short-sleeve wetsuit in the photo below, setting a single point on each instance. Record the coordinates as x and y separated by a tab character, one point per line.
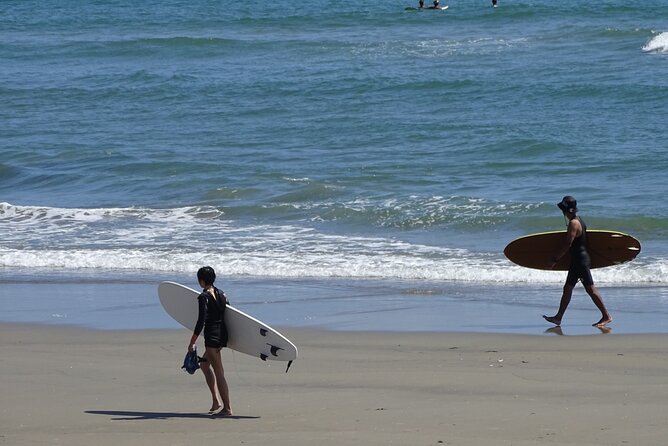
211	318
580	260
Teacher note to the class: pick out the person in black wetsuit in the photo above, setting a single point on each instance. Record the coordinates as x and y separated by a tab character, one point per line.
576	242
212	302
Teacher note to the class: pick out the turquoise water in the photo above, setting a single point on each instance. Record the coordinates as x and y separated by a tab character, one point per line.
328	140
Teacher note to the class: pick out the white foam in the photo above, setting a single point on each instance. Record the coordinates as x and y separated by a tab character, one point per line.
40	214
181	240
657	44
321	261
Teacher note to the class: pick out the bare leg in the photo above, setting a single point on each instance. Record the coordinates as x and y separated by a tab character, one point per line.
598	301
213	355
210	378
563	305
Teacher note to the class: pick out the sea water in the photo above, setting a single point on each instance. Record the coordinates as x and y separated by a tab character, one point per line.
330	149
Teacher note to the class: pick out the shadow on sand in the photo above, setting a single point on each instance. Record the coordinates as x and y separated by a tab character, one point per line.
125	415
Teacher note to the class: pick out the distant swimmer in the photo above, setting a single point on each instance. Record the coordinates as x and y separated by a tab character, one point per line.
437	5
494	5
576	242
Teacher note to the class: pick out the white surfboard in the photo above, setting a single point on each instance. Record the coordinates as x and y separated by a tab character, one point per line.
245	334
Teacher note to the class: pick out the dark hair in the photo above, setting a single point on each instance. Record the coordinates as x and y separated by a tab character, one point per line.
207	275
568	204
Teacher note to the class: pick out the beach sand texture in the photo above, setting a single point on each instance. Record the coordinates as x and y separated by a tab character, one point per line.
73	386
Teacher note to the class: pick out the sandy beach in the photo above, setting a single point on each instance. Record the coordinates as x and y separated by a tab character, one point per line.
76	386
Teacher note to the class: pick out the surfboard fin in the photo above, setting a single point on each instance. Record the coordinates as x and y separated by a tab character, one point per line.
275	350
263	356
263	332
288	367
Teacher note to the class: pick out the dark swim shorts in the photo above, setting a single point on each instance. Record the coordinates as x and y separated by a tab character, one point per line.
579	272
215	335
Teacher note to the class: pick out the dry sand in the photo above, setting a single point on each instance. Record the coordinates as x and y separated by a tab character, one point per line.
80	387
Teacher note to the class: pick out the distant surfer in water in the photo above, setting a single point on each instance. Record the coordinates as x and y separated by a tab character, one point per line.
576	242
493	3
421	4
436	5
212	303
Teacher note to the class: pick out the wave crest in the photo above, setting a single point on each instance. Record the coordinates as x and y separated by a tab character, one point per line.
657	44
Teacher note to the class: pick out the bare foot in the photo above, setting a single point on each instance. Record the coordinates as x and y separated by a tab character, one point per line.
603	322
215	409
552	320
222	412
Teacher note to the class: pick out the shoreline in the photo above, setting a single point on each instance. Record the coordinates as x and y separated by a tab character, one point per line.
371	388
95	301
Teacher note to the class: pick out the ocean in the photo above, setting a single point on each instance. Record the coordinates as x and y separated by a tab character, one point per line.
340	164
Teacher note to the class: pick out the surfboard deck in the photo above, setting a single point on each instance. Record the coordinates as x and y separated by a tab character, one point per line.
245	333
606	248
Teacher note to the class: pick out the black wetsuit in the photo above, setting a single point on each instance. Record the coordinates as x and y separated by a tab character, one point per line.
580	260
211	318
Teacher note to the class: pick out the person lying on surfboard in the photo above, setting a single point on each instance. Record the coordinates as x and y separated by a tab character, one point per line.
579	270
212	303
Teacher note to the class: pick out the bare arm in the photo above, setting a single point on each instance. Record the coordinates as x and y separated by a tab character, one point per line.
574	229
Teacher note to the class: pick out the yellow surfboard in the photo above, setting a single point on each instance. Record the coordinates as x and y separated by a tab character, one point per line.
606	248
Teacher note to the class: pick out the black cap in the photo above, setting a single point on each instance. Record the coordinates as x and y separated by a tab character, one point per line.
568	204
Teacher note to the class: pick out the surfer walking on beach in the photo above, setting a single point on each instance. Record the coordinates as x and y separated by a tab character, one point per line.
579	270
212	302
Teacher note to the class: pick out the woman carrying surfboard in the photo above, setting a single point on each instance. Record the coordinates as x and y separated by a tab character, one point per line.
579	270
212	303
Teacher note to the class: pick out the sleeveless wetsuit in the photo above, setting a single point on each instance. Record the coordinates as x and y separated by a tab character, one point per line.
211	318
580	260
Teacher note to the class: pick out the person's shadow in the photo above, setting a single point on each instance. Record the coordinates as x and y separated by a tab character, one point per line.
126	415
